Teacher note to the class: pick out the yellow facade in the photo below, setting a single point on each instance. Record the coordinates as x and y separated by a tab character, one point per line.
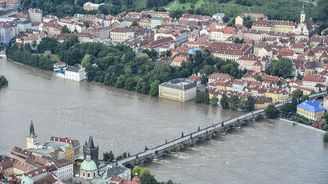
305	91
261	106
310	115
283	28
70	153
277	97
227	56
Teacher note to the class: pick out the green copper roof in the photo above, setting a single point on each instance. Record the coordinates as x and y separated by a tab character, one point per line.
88	165
26	180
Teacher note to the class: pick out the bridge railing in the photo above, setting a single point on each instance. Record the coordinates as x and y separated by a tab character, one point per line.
201	131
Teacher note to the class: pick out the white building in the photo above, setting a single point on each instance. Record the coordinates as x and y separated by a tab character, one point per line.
218	16
73	73
35	15
301	28
64	169
22	26
178	89
156	21
120	35
89	6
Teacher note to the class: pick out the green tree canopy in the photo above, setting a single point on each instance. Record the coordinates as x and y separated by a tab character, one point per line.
3	81
154	88
224	102
282	68
271	112
249	106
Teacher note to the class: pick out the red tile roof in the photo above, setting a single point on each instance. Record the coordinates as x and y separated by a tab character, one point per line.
314	78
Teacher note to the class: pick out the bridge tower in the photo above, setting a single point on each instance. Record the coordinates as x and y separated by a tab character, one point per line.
90	149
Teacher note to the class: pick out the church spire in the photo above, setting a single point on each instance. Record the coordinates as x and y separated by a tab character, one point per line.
90	143
32	133
302	15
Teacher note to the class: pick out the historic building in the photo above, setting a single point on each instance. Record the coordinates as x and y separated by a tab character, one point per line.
31	139
311	109
178	89
75	73
88	169
90	149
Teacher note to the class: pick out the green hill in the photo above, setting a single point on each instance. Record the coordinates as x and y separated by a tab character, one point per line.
275	9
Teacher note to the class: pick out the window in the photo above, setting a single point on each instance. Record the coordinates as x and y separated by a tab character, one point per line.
88	175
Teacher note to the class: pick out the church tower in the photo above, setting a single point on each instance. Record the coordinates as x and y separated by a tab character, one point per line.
302	16
31	140
90	149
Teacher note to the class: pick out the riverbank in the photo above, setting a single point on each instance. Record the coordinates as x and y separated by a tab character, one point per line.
302	125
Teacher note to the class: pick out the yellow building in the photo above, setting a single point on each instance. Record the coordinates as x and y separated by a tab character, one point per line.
280	26
325	102
70	153
277	95
262	102
239	21
306	91
311	109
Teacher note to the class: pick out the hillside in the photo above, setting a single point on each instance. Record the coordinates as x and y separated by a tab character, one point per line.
275	9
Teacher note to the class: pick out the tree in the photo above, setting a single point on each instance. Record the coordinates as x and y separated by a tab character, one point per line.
282	68
3	81
237	40
322	10
224	102
129	84
248	22
304	98
271	112
296	96
144	171
176	13
136	171
206	97
108	156
325	137
120	81
48	44
199	97
154	88
234	102
135	23
288	108
86	61
259	78
324	122
65	30
146	176
214	101
249	106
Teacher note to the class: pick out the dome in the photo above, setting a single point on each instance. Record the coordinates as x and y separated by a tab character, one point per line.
88	165
26	180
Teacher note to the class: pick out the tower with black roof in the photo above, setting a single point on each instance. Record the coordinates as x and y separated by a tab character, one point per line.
89	148
31	139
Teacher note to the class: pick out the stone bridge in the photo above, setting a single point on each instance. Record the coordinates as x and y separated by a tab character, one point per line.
201	134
